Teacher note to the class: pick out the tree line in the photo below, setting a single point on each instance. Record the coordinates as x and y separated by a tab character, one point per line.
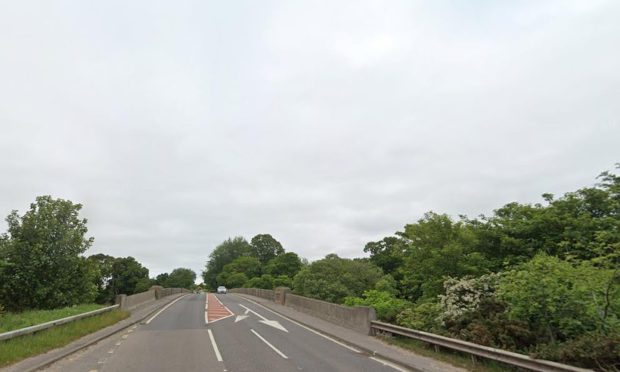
541	279
43	266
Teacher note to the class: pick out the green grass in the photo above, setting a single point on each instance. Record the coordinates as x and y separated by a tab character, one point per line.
19	348
455	358
12	321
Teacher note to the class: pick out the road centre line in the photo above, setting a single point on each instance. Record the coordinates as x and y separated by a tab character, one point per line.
268	344
355	350
217	351
165	307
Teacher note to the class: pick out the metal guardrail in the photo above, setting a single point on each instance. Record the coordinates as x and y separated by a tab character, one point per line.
53	323
508	357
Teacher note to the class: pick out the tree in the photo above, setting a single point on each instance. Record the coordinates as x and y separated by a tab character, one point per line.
181	278
287	264
224	254
42	266
334	278
103	268
127	277
162	279
250	266
266	248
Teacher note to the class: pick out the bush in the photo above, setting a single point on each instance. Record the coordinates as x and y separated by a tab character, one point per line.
593	350
422	317
386	305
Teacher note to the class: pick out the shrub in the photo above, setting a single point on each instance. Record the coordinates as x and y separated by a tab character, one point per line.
386	305
592	350
423	317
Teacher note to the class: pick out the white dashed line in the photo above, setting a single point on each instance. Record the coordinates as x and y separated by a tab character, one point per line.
270	345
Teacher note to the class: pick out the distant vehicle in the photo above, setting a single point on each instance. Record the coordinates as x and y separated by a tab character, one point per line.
221	289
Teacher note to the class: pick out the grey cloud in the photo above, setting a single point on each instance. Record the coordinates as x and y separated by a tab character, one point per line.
325	124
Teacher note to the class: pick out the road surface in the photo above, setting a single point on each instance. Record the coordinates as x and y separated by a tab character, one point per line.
211	332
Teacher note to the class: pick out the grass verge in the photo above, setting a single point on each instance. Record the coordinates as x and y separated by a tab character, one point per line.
12	321
455	358
19	348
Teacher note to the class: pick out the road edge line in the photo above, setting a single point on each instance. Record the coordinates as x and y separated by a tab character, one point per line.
334	338
77	348
165	307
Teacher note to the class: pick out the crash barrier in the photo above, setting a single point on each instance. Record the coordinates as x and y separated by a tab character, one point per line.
53	323
123	302
507	357
356	318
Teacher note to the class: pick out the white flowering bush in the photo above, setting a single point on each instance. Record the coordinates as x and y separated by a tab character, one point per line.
465	295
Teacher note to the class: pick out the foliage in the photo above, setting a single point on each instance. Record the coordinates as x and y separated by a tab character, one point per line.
465	295
42	266
437	247
222	255
162	279
422	316
128	277
596	349
266	248
560	300
102	265
181	278
334	278
385	304
235	280
287	264
264	281
282	281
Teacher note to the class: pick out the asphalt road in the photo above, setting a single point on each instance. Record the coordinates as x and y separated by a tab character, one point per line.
237	336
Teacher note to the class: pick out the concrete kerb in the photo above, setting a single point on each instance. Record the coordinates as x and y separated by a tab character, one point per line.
65	351
357	345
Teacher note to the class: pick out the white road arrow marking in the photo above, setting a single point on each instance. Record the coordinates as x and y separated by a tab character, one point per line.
240	317
274	324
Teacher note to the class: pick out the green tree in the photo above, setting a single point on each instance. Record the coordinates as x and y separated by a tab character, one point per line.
181	278
250	266
42	258
560	300
162	279
128	277
287	264
235	280
103	268
264	281
334	278
266	248
224	254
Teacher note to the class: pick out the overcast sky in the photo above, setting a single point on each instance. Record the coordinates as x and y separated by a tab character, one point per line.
178	124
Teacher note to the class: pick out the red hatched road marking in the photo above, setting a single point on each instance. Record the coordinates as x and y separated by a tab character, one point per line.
215	309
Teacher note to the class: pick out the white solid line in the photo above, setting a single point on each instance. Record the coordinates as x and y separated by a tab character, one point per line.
253	312
268	344
389	364
306	328
162	310
217	351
